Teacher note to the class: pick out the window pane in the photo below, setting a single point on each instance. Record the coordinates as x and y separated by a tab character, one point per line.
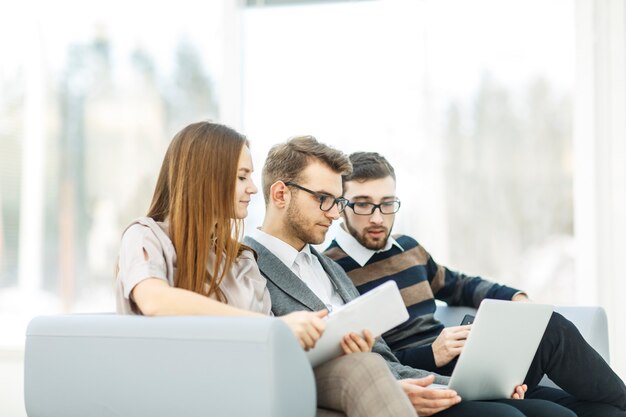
87	109
470	101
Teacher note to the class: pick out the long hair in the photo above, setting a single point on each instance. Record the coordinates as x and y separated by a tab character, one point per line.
195	193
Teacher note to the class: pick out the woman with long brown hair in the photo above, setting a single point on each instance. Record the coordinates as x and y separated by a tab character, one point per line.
185	258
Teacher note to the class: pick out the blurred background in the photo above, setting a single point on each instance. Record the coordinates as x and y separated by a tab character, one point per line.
504	121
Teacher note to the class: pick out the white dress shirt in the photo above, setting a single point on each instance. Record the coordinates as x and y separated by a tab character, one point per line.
305	265
358	252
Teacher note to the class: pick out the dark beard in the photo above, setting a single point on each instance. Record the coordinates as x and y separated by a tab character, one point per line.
369	244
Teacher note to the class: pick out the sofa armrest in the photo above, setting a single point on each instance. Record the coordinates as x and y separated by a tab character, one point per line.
115	365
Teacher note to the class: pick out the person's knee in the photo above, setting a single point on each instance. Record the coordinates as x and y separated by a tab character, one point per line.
560	329
539	408
559	323
555	410
482	408
365	363
360	372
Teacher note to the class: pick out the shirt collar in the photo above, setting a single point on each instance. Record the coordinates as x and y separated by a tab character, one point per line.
358	252
282	250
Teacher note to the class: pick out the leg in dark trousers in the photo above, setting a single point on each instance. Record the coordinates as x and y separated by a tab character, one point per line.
573	365
581	408
506	408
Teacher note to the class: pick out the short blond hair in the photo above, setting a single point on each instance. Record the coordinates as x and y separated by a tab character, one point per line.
286	161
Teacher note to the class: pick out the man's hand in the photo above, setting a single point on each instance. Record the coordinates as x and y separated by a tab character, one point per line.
520	297
520	392
307	326
449	344
352	342
428	401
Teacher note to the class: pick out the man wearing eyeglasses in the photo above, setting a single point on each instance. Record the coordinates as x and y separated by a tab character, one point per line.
302	187
370	255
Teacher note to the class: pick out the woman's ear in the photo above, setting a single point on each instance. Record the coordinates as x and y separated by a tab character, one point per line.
280	195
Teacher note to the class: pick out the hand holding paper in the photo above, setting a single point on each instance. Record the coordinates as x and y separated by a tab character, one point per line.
378	310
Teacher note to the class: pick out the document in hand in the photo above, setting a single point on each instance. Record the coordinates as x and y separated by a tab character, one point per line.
378	311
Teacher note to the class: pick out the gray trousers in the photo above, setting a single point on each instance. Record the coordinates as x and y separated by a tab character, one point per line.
359	385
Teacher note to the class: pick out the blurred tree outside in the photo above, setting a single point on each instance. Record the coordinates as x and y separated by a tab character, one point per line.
11	129
110	117
509	182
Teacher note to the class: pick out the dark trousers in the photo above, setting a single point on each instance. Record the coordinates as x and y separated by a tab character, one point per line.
581	408
507	408
589	386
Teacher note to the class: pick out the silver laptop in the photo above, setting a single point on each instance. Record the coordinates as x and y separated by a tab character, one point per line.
499	349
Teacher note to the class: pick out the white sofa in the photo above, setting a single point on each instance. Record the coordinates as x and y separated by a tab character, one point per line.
132	366
107	365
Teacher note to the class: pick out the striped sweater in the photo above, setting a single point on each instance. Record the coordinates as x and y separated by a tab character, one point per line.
420	280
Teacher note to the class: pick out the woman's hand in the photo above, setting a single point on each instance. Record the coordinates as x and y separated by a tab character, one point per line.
307	326
520	392
352	342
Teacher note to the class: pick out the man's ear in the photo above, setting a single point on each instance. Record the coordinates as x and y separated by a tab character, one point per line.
280	195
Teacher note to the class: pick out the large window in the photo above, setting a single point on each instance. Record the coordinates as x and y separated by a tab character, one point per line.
471	101
89	100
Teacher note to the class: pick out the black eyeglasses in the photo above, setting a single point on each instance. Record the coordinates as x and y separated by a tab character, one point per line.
367	209
327	202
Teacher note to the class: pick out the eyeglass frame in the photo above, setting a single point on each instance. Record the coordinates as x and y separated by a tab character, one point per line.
340	202
374	207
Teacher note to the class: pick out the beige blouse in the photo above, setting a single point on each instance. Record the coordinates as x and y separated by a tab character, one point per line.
147	252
